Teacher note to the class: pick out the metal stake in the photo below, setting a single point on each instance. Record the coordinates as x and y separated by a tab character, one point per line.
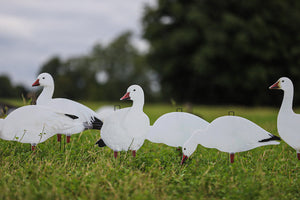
179	110
231	112
117	107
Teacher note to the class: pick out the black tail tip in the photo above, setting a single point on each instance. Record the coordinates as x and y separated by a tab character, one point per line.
273	137
97	124
100	143
276	137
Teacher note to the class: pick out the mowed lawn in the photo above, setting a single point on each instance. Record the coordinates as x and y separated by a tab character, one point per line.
81	170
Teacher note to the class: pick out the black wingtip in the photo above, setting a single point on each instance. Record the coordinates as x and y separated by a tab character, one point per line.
97	123
276	137
273	137
100	143
72	116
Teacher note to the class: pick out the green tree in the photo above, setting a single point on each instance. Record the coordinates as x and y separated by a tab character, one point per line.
52	66
102	74
122	64
213	51
8	90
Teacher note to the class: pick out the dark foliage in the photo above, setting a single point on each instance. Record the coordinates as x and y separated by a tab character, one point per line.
8	90
102	74
218	52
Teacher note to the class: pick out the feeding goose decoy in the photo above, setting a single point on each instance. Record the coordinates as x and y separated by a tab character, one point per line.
175	128
229	134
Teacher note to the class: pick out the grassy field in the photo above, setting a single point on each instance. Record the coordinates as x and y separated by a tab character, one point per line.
80	170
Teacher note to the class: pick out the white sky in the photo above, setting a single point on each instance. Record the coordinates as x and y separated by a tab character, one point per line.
32	31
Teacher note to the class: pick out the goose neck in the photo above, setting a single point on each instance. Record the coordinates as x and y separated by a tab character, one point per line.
138	105
46	95
287	102
195	139
202	138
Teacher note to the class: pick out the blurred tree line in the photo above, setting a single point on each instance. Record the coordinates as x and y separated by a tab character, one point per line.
8	90
104	74
220	52
201	51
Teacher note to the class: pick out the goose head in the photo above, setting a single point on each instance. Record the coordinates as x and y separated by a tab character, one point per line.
134	92
283	83
188	149
44	79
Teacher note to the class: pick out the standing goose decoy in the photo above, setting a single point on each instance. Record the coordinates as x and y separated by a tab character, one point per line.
230	134
126	129
175	128
288	122
35	124
84	114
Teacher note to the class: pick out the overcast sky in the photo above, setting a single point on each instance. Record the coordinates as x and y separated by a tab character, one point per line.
32	31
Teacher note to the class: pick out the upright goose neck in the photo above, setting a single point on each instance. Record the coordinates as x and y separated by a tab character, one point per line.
287	102
138	104
46	95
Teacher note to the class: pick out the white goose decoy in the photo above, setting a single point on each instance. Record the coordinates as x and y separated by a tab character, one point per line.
175	128
104	111
63	105
229	134
288	122
126	129
35	124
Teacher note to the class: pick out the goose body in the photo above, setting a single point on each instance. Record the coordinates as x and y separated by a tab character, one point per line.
84	114
229	134
35	124
125	129
175	128
288	122
104	111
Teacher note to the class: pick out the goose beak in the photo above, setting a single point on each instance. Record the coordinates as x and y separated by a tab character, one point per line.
126	97
36	83
184	158
275	85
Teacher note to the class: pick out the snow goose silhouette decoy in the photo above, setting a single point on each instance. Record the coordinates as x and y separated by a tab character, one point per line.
230	134
288	122
84	114
125	129
175	128
104	111
35	124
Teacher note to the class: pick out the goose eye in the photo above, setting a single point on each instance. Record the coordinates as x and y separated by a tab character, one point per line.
184	149
43	77
134	90
282	81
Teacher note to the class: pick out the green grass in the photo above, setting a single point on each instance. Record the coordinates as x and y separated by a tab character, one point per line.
81	170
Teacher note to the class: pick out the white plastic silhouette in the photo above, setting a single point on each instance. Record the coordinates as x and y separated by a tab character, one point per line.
84	114
175	128
125	129
105	111
35	124
230	134
288	122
